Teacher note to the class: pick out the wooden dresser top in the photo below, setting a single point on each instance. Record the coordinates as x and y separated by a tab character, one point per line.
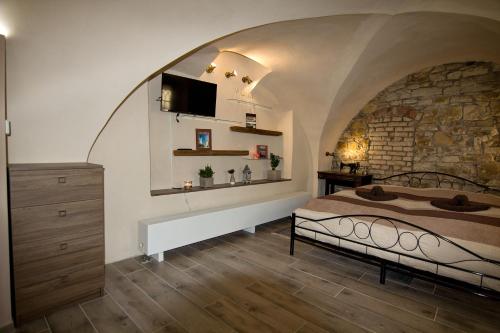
52	166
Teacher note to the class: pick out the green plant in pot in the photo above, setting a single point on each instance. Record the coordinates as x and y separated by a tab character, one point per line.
206	176
274	174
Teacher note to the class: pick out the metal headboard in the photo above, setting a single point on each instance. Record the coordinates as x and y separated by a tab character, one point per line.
436	179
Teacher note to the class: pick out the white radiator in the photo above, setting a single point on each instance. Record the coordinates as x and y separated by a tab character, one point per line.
169	232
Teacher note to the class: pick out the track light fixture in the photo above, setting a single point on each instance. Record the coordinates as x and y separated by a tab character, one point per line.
230	74
211	68
246	79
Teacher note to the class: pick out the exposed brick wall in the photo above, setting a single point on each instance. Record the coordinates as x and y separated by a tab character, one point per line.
444	118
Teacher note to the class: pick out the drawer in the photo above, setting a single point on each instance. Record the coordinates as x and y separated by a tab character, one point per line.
41	271
76	274
35	307
75	219
42	187
38	250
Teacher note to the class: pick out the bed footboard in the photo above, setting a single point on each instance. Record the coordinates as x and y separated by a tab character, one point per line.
410	249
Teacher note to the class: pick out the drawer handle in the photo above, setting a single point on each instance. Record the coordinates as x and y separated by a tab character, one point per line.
62	213
63	246
61	180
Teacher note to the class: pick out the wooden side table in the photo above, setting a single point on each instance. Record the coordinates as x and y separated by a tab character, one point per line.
333	178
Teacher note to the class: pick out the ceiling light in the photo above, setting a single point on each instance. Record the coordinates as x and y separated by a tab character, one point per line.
211	68
246	79
230	74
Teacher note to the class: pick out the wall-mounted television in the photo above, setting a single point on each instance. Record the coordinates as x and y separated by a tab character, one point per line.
183	95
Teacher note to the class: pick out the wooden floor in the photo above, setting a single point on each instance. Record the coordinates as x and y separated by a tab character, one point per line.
248	283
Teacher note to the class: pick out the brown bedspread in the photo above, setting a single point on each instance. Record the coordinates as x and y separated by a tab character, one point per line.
413	206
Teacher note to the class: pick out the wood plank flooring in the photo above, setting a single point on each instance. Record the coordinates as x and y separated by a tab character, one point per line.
248	283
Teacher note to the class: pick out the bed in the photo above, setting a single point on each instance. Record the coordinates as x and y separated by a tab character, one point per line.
408	233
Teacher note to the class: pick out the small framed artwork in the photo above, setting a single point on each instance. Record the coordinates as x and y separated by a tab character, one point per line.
203	139
262	151
251	120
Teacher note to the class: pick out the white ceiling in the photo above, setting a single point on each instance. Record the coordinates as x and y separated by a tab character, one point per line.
326	69
71	64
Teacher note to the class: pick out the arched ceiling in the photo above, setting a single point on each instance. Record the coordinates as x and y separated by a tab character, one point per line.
326	69
71	63
406	44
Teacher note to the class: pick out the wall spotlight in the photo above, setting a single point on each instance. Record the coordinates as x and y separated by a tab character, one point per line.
246	79
230	74
211	68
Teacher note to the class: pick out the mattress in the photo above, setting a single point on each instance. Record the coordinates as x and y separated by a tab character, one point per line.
477	232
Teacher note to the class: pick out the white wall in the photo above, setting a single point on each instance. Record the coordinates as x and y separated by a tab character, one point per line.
71	63
123	149
166	134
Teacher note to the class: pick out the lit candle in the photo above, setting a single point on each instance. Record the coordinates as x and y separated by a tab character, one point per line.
188	184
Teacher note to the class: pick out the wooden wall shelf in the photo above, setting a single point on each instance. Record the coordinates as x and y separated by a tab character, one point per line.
255	131
211	152
170	191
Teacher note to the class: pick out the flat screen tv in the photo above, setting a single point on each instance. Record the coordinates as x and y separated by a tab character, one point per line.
183	95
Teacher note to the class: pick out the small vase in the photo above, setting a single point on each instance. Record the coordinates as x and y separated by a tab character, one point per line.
206	182
232	181
273	174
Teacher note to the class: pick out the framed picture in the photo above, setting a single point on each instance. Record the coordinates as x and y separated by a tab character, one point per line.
251	120
203	139
262	151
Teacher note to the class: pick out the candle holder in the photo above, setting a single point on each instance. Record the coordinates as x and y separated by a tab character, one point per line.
188	185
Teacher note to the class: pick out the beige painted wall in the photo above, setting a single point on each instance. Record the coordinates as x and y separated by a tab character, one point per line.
5	317
166	134
123	149
77	60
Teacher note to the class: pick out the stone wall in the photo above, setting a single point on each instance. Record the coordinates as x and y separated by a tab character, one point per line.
444	118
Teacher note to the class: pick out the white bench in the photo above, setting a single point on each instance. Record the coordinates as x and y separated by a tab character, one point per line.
172	231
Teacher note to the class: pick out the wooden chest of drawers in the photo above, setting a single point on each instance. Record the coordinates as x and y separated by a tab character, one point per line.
56	235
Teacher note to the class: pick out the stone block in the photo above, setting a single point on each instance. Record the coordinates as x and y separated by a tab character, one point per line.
396	153
450	159
449	114
425	92
425	102
461	99
475	71
451	90
442	139
410	101
437	76
454	75
475	112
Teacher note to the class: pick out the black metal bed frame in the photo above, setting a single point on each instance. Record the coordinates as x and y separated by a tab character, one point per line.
358	222
436	179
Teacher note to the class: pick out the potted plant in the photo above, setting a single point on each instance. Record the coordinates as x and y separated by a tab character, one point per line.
206	176
274	174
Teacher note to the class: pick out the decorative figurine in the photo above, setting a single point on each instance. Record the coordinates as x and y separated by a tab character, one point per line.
188	185
232	181
247	175
353	167
335	162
